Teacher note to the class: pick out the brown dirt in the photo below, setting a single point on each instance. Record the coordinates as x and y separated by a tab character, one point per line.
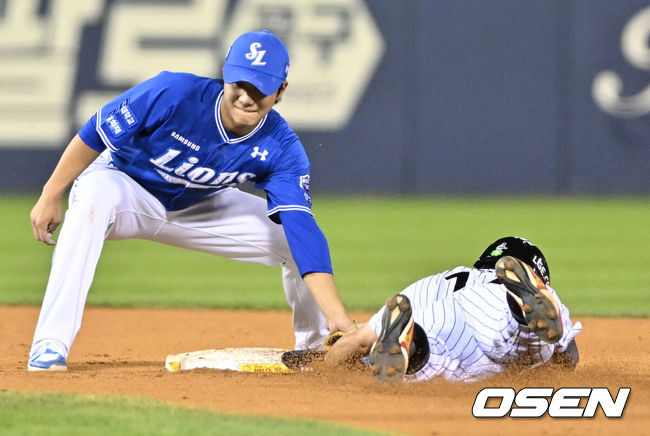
122	352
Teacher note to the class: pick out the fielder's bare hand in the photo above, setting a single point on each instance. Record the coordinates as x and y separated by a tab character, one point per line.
46	214
46	217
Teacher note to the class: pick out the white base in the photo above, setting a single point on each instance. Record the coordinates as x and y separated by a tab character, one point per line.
267	360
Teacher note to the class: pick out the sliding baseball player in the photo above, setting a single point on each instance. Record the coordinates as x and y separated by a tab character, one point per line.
468	324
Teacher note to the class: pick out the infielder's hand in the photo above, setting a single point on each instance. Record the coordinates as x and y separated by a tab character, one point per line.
331	339
46	215
45	218
343	324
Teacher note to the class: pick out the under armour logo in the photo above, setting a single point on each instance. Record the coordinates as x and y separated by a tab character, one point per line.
255	55
256	152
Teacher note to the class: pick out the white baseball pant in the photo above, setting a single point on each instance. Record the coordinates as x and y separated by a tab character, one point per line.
105	203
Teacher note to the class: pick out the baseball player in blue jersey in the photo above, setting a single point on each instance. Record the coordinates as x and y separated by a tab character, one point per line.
467	324
162	161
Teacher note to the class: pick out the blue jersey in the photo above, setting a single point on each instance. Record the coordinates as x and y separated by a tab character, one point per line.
166	133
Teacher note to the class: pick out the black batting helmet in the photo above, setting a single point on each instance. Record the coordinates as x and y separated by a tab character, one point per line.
517	247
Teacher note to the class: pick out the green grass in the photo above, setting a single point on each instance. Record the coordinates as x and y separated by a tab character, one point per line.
597	251
69	415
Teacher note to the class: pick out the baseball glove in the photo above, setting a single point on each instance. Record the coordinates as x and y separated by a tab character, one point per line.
335	336
331	339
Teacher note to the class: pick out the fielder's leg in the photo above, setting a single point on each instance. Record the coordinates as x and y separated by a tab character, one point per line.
234	224
103	201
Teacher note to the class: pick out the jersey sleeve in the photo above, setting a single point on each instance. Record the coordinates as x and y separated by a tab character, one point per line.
89	135
287	185
138	109
307	242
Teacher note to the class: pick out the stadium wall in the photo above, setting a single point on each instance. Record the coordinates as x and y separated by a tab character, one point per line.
388	97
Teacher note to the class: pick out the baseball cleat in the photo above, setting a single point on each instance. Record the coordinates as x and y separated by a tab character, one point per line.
538	305
46	358
389	355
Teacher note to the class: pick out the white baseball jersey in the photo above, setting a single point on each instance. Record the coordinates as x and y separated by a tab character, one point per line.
471	331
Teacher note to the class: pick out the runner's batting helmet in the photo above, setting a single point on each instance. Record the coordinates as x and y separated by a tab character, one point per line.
519	248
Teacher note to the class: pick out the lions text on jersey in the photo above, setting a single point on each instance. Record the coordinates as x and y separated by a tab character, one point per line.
166	133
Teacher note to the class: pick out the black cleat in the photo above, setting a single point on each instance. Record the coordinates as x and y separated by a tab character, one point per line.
538	305
389	355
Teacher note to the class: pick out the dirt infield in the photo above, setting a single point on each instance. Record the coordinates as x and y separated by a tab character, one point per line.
123	351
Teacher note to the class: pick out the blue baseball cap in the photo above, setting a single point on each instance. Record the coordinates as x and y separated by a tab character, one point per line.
259	58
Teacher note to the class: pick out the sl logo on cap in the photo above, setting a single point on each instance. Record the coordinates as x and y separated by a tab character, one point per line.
255	55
